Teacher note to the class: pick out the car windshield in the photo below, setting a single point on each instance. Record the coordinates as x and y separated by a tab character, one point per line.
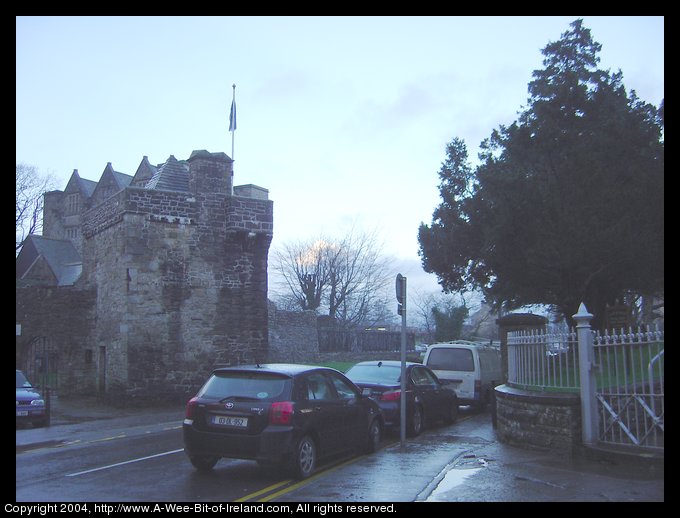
451	359
22	382
383	374
260	386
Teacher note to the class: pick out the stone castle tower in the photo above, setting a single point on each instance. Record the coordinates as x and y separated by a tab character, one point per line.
172	279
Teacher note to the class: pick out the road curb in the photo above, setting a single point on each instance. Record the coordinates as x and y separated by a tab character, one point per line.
40	444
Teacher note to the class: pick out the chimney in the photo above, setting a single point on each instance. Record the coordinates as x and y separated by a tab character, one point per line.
210	172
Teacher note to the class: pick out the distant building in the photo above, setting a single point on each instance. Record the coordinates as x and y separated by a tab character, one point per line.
142	284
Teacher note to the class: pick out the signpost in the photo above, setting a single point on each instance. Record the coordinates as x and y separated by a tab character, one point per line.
401	310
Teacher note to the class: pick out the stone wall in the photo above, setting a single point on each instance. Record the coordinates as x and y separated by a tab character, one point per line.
181	282
41	312
540	419
176	299
293	336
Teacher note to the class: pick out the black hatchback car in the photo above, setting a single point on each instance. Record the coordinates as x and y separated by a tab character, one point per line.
279	414
427	398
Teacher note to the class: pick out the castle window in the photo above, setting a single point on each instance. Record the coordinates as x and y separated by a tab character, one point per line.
73	203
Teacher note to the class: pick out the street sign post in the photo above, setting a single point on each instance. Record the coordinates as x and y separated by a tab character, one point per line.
401	310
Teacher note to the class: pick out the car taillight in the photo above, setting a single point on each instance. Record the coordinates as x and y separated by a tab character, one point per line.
393	395
281	412
478	389
191	406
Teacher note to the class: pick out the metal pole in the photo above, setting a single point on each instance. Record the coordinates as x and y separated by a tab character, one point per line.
232	128
402	422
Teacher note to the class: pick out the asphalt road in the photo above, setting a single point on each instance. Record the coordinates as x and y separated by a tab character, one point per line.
106	461
142	464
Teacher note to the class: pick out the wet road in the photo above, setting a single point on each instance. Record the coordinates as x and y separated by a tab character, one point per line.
142	464
460	462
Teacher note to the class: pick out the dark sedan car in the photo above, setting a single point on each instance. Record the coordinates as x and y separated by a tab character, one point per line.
30	404
280	414
427	398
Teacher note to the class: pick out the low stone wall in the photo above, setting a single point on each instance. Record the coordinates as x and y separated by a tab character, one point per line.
546	420
293	336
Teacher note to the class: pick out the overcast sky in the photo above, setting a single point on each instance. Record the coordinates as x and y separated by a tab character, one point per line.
343	119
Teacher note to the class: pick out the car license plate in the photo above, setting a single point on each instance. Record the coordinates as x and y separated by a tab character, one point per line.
238	422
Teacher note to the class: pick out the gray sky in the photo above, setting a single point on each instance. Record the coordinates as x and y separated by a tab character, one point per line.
343	119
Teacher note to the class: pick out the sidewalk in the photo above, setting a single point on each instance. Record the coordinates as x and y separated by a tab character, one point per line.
461	462
465	462
83	418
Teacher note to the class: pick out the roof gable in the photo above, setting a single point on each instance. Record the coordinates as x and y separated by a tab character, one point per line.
80	185
144	173
41	255
110	183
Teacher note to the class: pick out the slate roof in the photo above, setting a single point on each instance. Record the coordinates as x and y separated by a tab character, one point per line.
145	172
173	175
60	254
85	187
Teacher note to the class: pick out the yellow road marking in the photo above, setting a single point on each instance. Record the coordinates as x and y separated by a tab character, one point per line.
263	491
310	479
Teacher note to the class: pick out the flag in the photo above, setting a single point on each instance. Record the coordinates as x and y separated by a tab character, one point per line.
232	116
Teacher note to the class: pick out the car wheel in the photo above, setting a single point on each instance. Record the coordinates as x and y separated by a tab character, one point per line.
452	413
374	436
415	425
203	463
304	458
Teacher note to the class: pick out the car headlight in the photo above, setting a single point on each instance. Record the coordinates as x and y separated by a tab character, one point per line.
38	402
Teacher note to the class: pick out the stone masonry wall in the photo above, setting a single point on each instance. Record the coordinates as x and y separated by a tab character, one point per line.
293	336
546	420
182	285
69	331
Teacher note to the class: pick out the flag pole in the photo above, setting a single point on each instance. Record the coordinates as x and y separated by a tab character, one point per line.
232	128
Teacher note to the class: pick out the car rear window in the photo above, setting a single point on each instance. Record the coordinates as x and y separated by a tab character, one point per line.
451	360
373	374
247	385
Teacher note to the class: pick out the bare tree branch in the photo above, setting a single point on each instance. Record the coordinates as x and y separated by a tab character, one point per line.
30	187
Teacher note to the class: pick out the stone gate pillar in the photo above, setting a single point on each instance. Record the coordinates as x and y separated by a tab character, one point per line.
515	322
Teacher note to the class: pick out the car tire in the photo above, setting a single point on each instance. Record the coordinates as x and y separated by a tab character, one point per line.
304	458
415	424
203	463
374	436
452	413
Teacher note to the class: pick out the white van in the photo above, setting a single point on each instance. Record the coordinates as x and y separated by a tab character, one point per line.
472	368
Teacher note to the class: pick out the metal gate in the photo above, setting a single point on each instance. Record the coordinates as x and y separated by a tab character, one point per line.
630	388
41	363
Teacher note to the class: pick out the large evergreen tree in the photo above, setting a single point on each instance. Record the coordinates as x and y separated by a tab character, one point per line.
567	203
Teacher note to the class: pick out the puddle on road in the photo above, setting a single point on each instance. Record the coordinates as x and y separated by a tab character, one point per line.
453	478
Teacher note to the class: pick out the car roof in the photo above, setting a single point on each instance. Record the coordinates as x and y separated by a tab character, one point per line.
288	369
388	363
460	344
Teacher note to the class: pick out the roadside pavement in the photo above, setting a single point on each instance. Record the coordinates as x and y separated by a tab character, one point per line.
80	419
460	462
465	462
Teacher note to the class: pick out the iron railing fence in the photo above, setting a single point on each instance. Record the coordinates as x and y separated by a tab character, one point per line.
621	378
544	359
630	387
